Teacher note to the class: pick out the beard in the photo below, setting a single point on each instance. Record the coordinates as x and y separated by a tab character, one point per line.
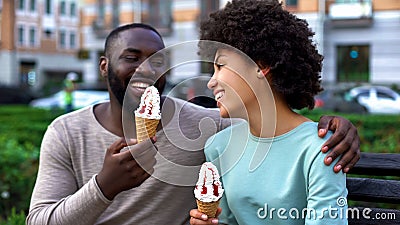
116	85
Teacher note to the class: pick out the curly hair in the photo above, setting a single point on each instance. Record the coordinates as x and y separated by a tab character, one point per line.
272	37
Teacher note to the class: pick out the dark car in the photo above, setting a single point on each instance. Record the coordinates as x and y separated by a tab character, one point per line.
338	101
15	95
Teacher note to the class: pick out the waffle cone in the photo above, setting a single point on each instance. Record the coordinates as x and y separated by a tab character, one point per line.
145	128
208	208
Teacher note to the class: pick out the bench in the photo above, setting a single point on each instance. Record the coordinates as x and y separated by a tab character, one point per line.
374	187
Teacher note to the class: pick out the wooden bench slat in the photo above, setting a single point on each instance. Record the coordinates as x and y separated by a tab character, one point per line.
381	164
374	216
373	190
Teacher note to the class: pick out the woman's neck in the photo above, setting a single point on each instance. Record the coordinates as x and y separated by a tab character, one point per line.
269	121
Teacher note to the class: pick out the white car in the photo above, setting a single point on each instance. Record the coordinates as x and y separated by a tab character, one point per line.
377	99
81	98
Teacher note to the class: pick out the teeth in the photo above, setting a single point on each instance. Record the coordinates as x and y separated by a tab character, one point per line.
140	85
219	95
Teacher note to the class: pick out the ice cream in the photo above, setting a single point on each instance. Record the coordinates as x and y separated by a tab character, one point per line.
148	114
208	190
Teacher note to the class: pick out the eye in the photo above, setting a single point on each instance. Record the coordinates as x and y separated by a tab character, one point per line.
218	65
157	62
131	58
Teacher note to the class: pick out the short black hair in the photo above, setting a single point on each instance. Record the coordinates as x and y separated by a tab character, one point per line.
271	37
112	36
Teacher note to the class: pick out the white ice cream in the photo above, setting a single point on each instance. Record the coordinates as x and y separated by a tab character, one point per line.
208	187
149	107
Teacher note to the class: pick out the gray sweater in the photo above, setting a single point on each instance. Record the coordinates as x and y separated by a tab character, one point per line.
72	153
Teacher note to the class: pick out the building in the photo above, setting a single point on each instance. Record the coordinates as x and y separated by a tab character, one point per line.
39	42
176	20
42	40
360	39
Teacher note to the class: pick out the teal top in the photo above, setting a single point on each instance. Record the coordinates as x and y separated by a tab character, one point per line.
280	180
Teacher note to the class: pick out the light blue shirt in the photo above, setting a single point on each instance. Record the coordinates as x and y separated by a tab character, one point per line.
277	180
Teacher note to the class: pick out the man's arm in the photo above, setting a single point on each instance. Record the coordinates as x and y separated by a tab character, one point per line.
56	198
344	142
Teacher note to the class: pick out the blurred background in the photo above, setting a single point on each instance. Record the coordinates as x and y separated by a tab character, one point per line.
43	42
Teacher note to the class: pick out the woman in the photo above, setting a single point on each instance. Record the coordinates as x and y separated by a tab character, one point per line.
266	68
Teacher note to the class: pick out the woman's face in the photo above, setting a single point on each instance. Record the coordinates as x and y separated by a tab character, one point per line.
232	85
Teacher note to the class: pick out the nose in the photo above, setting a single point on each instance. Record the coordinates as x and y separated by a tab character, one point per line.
212	83
146	69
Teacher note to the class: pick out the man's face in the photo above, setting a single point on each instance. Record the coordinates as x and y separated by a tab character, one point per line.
128	67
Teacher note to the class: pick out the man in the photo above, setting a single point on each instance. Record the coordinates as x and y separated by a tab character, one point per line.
91	169
69	87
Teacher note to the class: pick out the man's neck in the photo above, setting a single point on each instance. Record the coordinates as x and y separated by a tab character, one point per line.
109	115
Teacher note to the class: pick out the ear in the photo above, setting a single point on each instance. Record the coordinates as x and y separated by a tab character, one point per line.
263	72
103	65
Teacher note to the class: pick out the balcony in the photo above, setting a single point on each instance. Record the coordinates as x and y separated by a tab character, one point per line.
350	13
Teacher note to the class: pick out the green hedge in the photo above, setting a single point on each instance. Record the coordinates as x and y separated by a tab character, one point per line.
21	132
378	133
22	129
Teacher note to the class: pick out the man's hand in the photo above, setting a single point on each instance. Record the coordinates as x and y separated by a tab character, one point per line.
123	170
344	141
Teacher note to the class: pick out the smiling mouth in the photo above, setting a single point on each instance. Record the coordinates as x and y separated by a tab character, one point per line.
219	95
140	85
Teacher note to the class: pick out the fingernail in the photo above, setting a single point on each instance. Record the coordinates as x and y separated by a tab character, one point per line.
321	131
338	167
204	217
346	170
325	148
215	221
329	160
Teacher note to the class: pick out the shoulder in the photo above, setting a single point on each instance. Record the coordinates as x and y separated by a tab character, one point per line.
73	122
74	117
223	138
191	113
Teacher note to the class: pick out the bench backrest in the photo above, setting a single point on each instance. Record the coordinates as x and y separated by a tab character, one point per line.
375	188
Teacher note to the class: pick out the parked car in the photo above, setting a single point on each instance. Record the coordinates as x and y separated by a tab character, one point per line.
81	98
336	100
15	95
377	99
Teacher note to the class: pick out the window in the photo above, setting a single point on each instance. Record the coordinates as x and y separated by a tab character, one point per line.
72	40
160	15
291	2
32	5
73	9
100	13
63	8
48	7
21	4
353	63
207	7
32	36
62	40
48	33
21	35
115	13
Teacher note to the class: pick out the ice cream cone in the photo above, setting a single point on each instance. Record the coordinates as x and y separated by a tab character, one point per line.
208	208
145	128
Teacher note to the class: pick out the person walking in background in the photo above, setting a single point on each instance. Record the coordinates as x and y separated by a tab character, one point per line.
69	88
